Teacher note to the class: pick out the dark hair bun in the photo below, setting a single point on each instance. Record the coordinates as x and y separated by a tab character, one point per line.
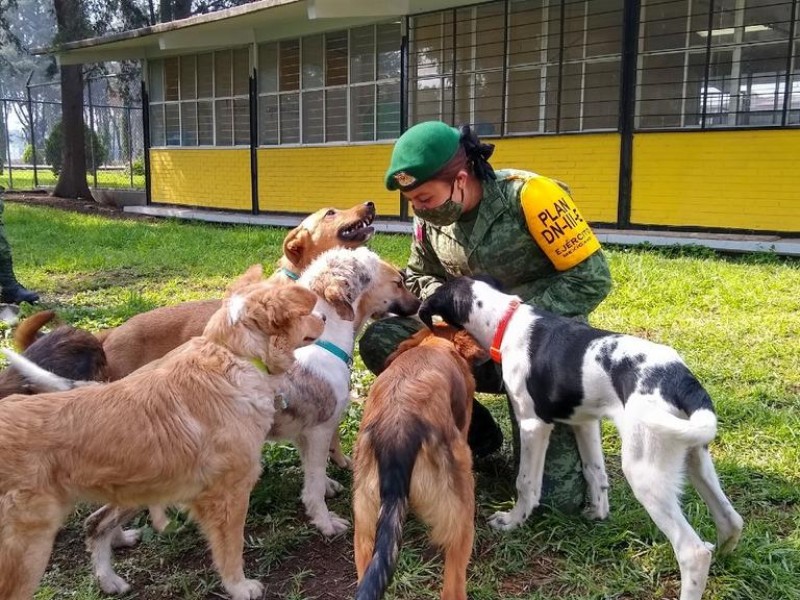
478	154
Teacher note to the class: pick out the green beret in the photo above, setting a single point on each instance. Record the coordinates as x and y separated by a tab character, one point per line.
420	153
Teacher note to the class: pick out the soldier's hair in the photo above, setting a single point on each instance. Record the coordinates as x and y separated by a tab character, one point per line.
472	156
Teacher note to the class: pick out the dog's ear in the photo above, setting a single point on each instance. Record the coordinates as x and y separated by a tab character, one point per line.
346	275
339	294
412	342
276	308
254	274
468	347
295	244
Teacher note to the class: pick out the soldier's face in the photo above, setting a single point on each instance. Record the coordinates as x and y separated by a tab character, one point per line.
429	195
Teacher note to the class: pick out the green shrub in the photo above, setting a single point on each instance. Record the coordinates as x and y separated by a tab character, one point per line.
54	149
137	166
27	154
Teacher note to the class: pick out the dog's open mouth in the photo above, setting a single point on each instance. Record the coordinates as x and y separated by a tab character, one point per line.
358	231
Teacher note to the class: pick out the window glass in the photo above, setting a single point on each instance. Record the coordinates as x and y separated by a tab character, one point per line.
312	62
223	73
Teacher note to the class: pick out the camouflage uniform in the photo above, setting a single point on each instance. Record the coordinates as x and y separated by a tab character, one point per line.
494	239
10	289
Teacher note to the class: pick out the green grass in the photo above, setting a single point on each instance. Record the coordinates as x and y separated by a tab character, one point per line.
22	179
736	320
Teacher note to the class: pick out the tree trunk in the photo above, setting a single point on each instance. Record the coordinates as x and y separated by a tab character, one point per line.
72	178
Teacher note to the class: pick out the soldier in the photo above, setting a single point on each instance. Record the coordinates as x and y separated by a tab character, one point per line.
516	226
11	292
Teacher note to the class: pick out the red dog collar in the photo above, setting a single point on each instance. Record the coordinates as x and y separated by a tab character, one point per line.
494	351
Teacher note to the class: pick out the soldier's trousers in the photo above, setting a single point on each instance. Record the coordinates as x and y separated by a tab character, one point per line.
563	486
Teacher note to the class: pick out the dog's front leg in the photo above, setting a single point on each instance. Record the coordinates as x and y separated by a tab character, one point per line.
534	437
590	448
313	445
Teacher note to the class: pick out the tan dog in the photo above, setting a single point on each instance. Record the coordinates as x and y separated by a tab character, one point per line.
412	448
188	430
152	334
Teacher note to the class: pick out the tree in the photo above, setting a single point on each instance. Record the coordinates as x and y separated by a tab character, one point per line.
72	25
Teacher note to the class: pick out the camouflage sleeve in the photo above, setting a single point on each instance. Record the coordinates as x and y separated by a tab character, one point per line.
424	272
579	290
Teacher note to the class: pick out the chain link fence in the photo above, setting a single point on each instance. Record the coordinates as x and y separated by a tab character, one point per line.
31	138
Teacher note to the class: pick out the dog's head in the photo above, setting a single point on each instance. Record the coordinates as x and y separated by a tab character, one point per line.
465	301
329	228
463	344
265	321
340	276
387	295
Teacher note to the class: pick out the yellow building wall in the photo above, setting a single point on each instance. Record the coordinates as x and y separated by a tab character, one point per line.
588	163
728	179
213	178
305	179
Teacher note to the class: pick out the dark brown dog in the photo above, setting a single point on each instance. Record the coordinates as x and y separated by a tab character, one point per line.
412	447
69	352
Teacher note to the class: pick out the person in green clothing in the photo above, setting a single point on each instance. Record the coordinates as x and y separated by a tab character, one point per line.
516	226
11	291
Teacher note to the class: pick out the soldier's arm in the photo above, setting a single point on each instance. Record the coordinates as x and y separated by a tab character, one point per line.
424	272
579	290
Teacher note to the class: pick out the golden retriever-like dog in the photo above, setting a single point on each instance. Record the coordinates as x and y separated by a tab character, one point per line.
187	430
150	335
412	448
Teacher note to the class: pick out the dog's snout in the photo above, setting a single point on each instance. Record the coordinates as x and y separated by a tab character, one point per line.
369	204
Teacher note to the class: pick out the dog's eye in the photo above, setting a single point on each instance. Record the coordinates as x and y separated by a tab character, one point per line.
399	284
330	213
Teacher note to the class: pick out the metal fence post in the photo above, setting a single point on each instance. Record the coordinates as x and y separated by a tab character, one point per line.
91	130
33	129
130	143
8	147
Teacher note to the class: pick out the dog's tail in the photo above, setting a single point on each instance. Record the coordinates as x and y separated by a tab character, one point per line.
395	465
39	379
698	430
25	333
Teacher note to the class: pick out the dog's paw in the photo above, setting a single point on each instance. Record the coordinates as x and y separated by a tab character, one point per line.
597	511
158	518
247	589
504	520
332	524
111	583
125	538
332	487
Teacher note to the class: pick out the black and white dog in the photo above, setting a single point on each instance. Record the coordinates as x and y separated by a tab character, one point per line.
558	369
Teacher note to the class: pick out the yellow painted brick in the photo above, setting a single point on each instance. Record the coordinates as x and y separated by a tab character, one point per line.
737	179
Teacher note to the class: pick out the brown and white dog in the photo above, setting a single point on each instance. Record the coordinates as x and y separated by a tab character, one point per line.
66	351
187	430
150	335
412	448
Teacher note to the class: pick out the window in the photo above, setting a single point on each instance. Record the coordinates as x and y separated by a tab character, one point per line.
336	87
715	64
518	66
200	100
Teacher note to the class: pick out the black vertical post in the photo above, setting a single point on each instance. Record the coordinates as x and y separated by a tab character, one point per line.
404	97
503	93
146	151
707	65
33	129
254	141
562	18
788	83
627	109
